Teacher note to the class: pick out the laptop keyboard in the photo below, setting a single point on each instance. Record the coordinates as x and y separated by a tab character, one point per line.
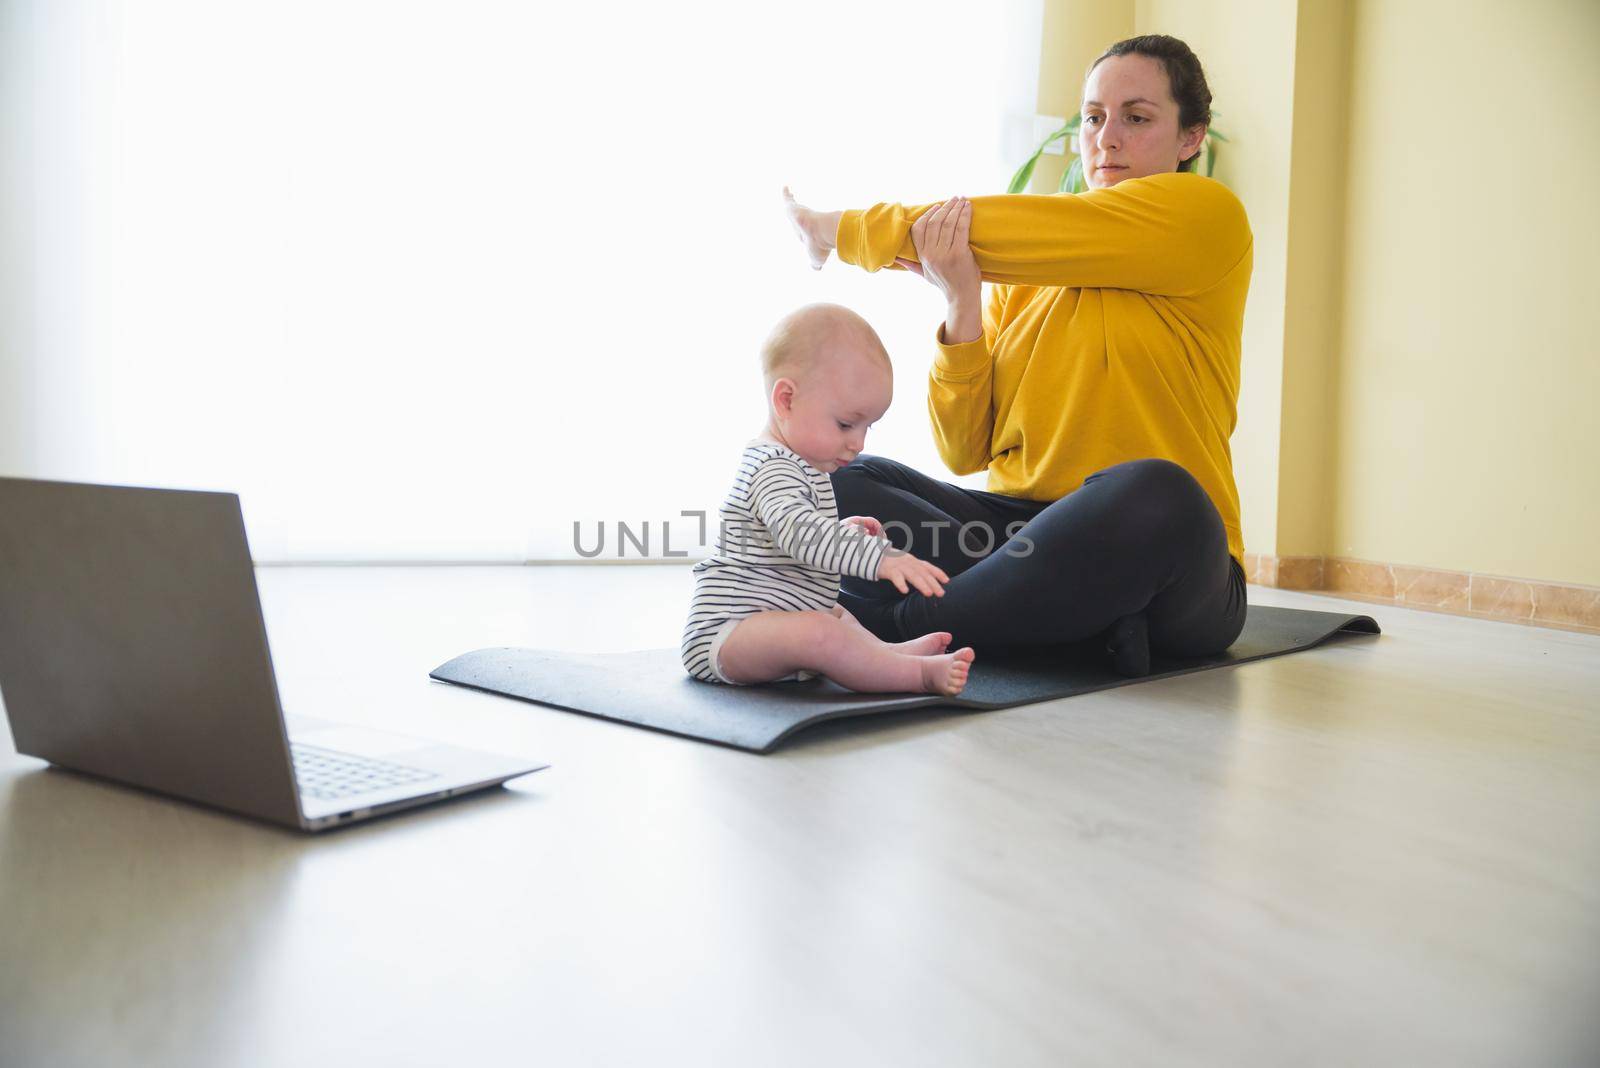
327	775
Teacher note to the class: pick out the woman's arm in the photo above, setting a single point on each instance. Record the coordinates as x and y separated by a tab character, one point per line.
961	394
961	383
1169	234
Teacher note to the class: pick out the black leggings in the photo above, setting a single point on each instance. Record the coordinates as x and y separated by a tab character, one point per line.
1141	536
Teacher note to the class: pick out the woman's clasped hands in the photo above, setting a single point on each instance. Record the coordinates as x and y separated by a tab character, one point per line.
941	236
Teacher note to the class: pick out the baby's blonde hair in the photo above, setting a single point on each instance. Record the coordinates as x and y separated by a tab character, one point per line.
806	336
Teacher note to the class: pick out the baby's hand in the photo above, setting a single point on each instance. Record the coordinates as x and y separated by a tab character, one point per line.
903	569
866	523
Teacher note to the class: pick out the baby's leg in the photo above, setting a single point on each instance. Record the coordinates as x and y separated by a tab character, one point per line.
929	644
770	645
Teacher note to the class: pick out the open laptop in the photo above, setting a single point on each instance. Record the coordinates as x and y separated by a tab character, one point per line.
132	647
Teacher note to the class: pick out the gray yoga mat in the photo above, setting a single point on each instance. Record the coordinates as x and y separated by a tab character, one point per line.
650	689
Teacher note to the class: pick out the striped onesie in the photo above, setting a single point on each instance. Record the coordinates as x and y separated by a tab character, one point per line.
780	547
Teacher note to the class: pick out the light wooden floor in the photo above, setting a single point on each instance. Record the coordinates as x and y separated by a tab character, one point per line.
1384	852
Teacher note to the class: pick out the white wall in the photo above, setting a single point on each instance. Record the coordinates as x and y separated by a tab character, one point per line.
436	280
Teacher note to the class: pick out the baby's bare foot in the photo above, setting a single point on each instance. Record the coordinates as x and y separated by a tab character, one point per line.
803	219
946	674
927	645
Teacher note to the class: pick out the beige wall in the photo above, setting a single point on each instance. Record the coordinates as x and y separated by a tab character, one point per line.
1314	278
1470	362
1422	340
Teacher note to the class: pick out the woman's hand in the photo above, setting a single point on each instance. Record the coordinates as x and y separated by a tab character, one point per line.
905	571
940	236
817	229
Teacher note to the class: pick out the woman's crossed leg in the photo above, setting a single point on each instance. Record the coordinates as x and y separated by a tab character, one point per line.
1139	542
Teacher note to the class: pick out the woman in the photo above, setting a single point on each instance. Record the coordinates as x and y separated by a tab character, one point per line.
1098	387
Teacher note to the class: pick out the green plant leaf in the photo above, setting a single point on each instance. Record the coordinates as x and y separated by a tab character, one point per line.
1061	134
1019	181
1072	181
1214	133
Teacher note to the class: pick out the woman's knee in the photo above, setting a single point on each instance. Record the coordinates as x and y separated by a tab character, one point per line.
855	484
868	485
865	469
1158	492
1143	507
1153	475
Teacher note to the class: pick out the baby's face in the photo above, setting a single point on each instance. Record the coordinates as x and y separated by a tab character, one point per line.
833	407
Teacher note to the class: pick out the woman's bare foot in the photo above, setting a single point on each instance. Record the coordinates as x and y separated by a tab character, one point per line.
927	645
946	674
812	228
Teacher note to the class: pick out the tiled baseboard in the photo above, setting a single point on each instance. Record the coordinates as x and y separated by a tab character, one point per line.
1465	593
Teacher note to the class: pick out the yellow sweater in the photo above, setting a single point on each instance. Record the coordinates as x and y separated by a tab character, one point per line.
1113	334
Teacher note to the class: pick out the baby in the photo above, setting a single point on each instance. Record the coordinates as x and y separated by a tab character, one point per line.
765	603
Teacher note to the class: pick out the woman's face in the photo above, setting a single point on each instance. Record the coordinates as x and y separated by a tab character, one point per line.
1130	123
